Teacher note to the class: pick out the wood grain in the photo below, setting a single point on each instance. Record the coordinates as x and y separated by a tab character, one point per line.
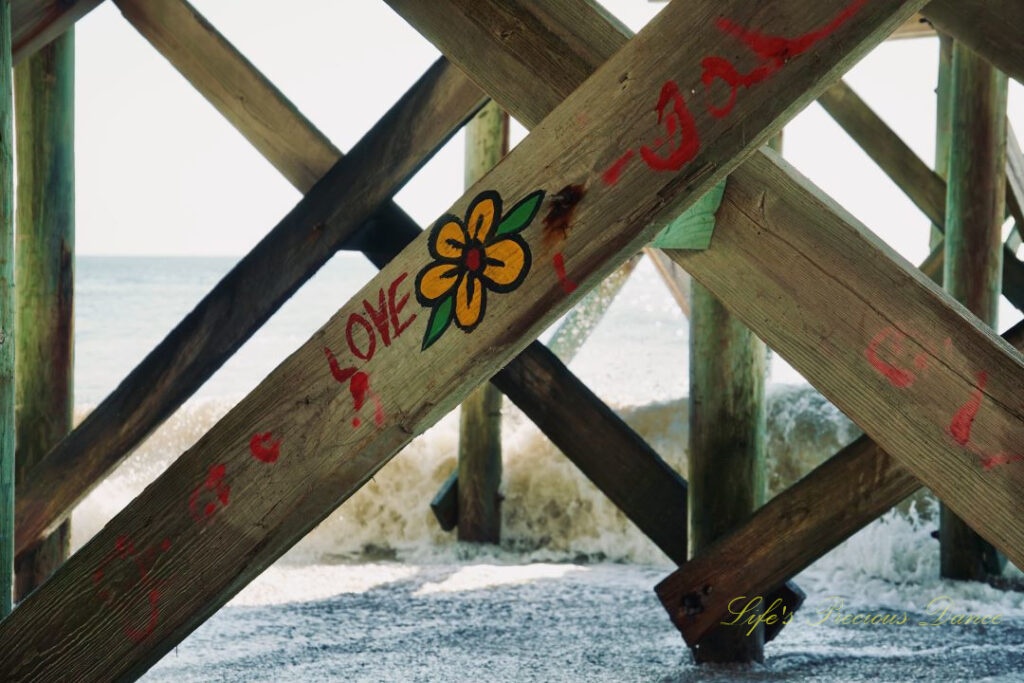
44	275
479	459
37	22
975	206
66	627
848	277
382	236
989	27
346	200
794	529
6	314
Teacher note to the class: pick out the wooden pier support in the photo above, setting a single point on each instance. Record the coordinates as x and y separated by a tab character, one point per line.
479	464
727	447
6	314
190	563
943	123
44	87
974	217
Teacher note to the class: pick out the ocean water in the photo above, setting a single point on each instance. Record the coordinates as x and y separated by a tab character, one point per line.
379	592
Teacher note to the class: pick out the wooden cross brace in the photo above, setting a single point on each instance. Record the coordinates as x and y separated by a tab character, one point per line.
190	562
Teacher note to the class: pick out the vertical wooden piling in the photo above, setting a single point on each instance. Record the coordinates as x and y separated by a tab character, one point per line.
479	471
728	365
44	86
6	316
975	206
943	120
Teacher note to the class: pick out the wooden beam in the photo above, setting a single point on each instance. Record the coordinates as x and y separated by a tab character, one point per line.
6	314
943	122
44	276
860	482
726	447
989	27
924	187
975	208
1014	180
914	371
37	22
300	443
235	80
354	194
479	460
795	529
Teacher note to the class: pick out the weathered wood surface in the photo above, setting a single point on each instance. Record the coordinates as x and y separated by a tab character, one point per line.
989	27
726	452
329	216
383	236
6	314
795	528
37	22
925	187
479	459
943	122
44	87
189	562
975	208
914	371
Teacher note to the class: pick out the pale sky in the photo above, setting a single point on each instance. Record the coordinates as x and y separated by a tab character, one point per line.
159	171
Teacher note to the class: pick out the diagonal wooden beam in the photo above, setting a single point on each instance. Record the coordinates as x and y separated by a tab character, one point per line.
182	35
917	372
34	23
989	27
921	184
795	529
346	208
299	444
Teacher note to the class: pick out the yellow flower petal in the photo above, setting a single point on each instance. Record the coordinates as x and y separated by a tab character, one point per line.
481	220
451	240
438	280
505	260
469	302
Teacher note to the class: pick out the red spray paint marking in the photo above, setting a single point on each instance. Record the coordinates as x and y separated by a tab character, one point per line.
773	51
679	117
263	449
214	483
359	387
901	379
960	427
341	375
568	286
1000	459
611	176
134	569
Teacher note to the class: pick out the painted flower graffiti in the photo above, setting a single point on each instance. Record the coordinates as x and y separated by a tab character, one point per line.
483	252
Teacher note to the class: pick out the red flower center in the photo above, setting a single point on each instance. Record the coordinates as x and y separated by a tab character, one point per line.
473	258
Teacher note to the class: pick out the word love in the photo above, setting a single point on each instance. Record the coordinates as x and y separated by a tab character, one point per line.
681	140
887	354
382	321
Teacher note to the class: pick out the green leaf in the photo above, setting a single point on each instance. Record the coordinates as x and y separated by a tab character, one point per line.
694	228
521	215
440	319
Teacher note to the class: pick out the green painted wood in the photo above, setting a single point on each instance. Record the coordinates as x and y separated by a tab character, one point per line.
726	448
989	27
943	122
479	463
6	315
975	206
44	87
